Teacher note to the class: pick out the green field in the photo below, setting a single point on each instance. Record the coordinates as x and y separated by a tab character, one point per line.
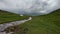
6	17
45	24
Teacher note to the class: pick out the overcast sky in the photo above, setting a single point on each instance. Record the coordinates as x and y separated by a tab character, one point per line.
30	7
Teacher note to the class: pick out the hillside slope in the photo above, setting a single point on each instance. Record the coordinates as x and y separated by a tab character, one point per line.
6	17
45	24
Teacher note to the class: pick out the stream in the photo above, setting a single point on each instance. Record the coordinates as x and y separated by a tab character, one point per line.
6	25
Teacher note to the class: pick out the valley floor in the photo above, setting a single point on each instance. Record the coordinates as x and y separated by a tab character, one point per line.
45	24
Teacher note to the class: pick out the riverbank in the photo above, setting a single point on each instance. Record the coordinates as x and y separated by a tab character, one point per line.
6	25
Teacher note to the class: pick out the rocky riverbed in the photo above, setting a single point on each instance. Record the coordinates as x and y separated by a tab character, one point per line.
6	25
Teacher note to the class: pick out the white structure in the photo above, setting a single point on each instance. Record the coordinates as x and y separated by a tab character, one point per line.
30	7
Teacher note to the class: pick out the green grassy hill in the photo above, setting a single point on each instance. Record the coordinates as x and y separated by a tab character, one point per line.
6	17
45	24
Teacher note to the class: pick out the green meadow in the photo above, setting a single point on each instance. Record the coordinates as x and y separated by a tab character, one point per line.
6	17
44	24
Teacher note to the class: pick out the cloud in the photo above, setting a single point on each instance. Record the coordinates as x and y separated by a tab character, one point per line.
30	7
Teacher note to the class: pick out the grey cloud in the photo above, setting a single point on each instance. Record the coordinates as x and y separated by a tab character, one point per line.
30	7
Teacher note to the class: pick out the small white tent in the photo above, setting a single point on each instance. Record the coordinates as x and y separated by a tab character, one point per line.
30	7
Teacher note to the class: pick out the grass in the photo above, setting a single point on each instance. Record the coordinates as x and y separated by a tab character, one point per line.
6	17
45	24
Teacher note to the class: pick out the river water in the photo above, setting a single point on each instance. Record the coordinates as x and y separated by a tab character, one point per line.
6	25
